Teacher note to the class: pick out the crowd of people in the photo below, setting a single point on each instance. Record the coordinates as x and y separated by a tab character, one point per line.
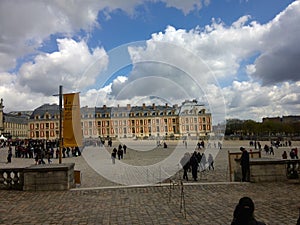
122	149
194	163
39	150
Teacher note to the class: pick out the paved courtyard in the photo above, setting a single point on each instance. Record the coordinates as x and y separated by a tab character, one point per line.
211	200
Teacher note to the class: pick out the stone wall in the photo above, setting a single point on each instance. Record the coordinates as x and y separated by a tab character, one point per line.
51	177
270	170
235	173
267	170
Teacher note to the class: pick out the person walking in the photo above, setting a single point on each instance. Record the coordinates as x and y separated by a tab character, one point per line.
185	163
245	164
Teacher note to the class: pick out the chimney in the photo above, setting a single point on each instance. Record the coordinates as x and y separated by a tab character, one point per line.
128	106
153	106
104	106
144	105
166	105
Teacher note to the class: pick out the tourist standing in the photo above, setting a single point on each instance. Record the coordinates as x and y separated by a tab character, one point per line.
125	148
245	164
284	155
210	162
9	154
114	155
194	165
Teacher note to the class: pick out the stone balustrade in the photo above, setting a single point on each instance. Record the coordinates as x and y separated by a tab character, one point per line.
270	170
12	178
44	177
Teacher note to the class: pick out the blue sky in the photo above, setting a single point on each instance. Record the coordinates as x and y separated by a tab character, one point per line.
240	57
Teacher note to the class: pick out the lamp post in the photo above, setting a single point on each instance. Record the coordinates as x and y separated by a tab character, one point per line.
60	123
60	95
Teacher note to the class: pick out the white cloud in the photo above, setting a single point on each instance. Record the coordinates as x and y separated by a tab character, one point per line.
26	24
280	48
250	100
185	6
174	65
220	49
67	67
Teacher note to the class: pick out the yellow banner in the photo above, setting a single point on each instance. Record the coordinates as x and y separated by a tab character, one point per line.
72	134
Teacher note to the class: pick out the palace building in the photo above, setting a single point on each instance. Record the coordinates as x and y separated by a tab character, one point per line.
14	124
145	121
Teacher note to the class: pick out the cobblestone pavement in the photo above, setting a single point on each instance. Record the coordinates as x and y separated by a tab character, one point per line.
204	203
211	200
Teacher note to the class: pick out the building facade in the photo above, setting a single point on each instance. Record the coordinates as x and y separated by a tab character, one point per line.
153	121
14	124
188	120
44	122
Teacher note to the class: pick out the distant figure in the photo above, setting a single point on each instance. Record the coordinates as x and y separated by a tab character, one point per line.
259	146
120	153
266	148
185	163
210	161
203	162
271	150
244	213
109	143
125	148
292	153
9	154
194	165
220	145
114	155
284	155
165	145
245	164
296	152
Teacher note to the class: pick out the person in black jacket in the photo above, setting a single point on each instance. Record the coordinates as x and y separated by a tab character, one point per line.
245	164
194	165
244	213
185	163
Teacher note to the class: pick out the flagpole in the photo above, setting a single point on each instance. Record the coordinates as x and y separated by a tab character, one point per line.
60	123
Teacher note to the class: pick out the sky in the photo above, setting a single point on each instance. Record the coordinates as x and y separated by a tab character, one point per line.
240	58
